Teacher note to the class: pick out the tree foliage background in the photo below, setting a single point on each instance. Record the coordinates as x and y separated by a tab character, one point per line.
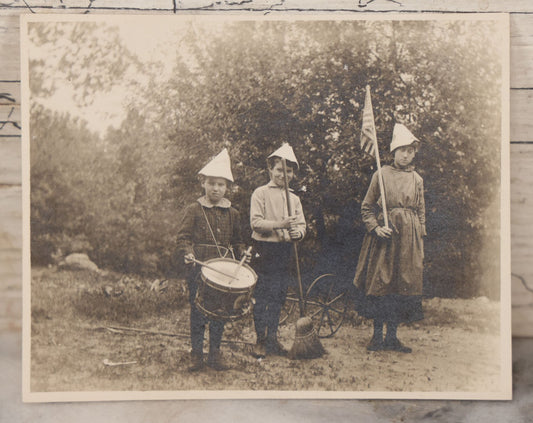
249	86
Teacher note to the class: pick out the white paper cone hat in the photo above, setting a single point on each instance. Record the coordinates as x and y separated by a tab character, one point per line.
401	136
219	167
285	152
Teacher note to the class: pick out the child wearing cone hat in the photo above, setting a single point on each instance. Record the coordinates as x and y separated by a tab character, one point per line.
209	229
388	278
273	232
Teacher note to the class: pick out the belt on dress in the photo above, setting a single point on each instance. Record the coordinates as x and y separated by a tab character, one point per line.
403	208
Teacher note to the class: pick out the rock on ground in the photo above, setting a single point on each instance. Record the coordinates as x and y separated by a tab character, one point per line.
78	261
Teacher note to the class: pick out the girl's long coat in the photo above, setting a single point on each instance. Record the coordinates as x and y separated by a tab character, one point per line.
393	266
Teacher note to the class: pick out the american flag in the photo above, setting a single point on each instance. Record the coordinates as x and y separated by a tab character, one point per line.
368	130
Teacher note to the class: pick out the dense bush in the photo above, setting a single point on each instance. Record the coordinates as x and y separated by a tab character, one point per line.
268	82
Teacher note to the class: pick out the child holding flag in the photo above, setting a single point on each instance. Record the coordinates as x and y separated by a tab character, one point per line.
388	277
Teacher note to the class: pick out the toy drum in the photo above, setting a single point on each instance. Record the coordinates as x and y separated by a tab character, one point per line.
220	295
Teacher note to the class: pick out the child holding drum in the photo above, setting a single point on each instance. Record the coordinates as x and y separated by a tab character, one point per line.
210	227
273	232
388	277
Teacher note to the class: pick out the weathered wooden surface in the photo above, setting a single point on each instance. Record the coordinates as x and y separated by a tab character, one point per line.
522	236
522	208
10	247
18	6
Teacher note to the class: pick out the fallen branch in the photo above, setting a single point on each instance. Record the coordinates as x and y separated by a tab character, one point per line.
122	363
157	332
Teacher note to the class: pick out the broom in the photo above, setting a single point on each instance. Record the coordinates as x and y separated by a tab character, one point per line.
306	343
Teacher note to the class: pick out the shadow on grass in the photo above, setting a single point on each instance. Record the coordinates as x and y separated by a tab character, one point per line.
129	306
113	297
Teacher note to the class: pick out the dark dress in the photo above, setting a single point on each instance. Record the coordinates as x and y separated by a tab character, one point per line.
388	278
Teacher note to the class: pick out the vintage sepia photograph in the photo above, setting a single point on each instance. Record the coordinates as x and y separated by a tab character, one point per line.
280	206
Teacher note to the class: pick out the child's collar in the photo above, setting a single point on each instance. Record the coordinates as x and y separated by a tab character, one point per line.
408	168
272	184
223	203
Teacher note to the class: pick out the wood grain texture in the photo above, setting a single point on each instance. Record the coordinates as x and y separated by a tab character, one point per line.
10	119
10	163
9	93
522	66
10	242
521	112
521	116
522	239
9	48
522	6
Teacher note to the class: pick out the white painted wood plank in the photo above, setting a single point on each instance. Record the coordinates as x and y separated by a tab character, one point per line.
521	30
9	120
9	48
9	95
10	217
11	306
521	115
523	6
10	250
10	256
10	161
522	66
82	6
11	269
522	238
412	5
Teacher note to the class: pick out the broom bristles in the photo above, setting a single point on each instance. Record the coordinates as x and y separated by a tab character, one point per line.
306	343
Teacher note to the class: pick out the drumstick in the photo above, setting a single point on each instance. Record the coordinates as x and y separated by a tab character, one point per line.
248	251
201	263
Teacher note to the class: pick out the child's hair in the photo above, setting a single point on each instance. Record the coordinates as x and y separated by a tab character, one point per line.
203	178
273	161
414	144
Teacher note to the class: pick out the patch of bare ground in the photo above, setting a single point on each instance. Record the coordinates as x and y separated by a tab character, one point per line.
74	335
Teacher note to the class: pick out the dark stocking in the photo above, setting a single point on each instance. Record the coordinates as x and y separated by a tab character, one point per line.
378	330
391	342
392	328
376	343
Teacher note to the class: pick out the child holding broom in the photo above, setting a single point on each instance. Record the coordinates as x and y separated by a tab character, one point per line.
274	230
388	277
210	227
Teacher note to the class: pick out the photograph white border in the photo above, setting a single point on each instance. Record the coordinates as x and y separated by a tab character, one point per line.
505	392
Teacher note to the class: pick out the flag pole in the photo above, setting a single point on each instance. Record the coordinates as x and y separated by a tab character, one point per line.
378	162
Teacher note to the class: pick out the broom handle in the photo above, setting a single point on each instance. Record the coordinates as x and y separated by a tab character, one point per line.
301	303
299	277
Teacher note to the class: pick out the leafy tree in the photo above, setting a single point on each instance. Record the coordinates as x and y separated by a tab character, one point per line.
254	85
88	56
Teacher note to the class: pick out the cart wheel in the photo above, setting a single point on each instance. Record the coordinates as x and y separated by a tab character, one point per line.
326	304
289	306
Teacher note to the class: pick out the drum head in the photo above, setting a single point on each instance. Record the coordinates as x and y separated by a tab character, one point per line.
244	279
